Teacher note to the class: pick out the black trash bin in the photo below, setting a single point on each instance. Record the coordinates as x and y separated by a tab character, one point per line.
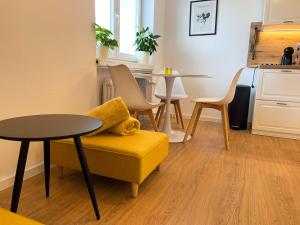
238	109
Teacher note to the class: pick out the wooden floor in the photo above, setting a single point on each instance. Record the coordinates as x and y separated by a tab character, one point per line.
257	182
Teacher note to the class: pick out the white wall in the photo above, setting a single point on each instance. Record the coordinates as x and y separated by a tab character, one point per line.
47	65
219	55
159	28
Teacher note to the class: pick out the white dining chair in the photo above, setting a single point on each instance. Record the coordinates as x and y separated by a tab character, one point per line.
127	87
220	104
178	93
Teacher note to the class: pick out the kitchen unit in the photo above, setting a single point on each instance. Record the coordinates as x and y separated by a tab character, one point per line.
282	12
277	104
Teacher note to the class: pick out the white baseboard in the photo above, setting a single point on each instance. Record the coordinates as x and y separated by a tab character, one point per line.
276	134
205	118
202	118
30	172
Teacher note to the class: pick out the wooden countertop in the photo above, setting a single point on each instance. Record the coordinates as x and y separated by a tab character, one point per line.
287	67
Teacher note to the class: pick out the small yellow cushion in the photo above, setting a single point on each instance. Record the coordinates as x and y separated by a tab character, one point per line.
111	113
9	218
128	127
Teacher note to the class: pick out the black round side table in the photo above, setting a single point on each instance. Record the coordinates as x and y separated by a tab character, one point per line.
46	128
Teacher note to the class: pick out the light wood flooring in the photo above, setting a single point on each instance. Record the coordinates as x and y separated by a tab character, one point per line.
257	182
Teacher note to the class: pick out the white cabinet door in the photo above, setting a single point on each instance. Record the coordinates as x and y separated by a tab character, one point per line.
282	12
279	85
277	117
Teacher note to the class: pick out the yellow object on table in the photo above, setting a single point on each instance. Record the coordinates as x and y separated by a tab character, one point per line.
9	218
128	127
168	71
110	113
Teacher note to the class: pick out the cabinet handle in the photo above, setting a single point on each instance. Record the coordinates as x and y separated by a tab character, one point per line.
288	21
286	71
281	103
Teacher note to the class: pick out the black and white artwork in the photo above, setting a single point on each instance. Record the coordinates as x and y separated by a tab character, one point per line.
203	17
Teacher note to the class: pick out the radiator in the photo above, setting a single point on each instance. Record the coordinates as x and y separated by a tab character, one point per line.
108	89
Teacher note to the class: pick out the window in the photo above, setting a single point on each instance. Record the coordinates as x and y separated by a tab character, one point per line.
103	13
123	18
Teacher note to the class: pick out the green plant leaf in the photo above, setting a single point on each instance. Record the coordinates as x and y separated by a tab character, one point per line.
104	37
145	40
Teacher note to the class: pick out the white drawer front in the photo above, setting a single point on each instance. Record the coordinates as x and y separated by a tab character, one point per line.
281	85
282	117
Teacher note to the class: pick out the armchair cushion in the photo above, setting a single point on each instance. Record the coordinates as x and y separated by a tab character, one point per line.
9	218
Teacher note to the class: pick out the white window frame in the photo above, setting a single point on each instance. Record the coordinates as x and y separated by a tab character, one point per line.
115	28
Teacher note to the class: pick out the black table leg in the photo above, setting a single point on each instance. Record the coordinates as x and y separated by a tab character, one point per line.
47	165
19	176
86	173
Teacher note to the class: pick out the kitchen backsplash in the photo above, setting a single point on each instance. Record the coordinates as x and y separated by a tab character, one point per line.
266	46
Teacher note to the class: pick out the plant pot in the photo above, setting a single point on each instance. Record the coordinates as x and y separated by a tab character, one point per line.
103	52
143	57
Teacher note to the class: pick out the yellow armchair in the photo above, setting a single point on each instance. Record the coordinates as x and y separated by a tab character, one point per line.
128	158
9	218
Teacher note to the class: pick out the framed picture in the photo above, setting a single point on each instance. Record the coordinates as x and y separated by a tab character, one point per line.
203	17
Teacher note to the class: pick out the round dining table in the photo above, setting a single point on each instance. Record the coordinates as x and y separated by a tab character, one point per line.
175	136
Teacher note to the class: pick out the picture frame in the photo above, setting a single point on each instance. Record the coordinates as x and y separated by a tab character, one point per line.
203	17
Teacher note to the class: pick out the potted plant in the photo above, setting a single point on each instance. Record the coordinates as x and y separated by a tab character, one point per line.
104	41
145	44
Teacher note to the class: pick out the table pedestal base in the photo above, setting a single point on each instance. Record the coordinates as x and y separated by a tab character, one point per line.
177	136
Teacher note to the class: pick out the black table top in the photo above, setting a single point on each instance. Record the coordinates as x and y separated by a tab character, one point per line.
47	127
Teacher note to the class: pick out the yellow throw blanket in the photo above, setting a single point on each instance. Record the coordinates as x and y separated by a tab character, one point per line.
128	127
111	113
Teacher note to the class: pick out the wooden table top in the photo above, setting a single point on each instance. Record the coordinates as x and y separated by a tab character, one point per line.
47	127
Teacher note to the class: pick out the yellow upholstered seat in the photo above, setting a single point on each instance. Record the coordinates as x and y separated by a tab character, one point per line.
9	218
128	158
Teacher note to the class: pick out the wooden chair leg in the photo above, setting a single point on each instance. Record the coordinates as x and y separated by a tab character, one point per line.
161	115
191	122
157	113
197	119
152	119
60	171
225	119
134	190
176	112
180	114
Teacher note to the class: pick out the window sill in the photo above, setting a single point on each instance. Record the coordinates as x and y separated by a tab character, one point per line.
133	66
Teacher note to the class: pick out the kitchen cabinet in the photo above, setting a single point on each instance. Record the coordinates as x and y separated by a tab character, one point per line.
282	12
277	104
279	85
